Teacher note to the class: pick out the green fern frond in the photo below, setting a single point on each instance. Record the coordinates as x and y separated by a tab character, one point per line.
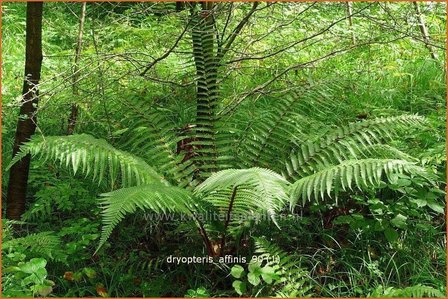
269	189
345	142
420	291
278	123
206	63
294	279
150	133
42	244
385	151
154	197
360	173
416	291
248	207
91	156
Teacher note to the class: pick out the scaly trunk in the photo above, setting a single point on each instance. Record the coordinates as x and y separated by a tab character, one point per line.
26	126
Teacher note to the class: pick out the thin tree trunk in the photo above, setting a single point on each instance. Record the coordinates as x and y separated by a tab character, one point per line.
26	126
424	31
350	20
74	111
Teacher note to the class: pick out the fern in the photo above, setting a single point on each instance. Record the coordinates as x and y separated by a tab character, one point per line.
279	123
155	197
150	134
206	63
360	173
91	156
385	151
268	190
41	244
416	291
347	142
294	279
257	190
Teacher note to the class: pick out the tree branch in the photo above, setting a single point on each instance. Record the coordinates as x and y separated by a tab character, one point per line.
296	67
302	40
231	38
167	53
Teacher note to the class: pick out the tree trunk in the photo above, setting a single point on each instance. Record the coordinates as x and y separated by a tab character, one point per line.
26	125
74	111
424	31
350	20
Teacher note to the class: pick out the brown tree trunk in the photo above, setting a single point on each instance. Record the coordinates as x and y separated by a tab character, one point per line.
26	125
74	111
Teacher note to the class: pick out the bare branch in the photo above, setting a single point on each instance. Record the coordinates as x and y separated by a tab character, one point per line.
302	40
167	53
261	87
231	38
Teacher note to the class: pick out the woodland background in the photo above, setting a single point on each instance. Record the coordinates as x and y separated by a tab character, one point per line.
327	119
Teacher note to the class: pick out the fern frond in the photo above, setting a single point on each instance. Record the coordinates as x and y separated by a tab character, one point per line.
420	291
255	186
360	173
42	244
155	197
385	151
206	63
91	156
280	122
345	142
294	279
415	291
151	133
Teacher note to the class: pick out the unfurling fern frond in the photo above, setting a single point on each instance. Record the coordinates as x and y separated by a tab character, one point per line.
255	187
91	156
154	197
359	173
347	142
294	281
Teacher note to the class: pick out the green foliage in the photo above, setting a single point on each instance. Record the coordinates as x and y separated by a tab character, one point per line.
28	279
347	142
154	197
40	244
91	156
360	173
416	291
257	190
24	261
273	271
198	293
343	120
266	187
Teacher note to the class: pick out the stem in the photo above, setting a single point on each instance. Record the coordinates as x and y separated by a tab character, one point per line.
74	111
227	221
